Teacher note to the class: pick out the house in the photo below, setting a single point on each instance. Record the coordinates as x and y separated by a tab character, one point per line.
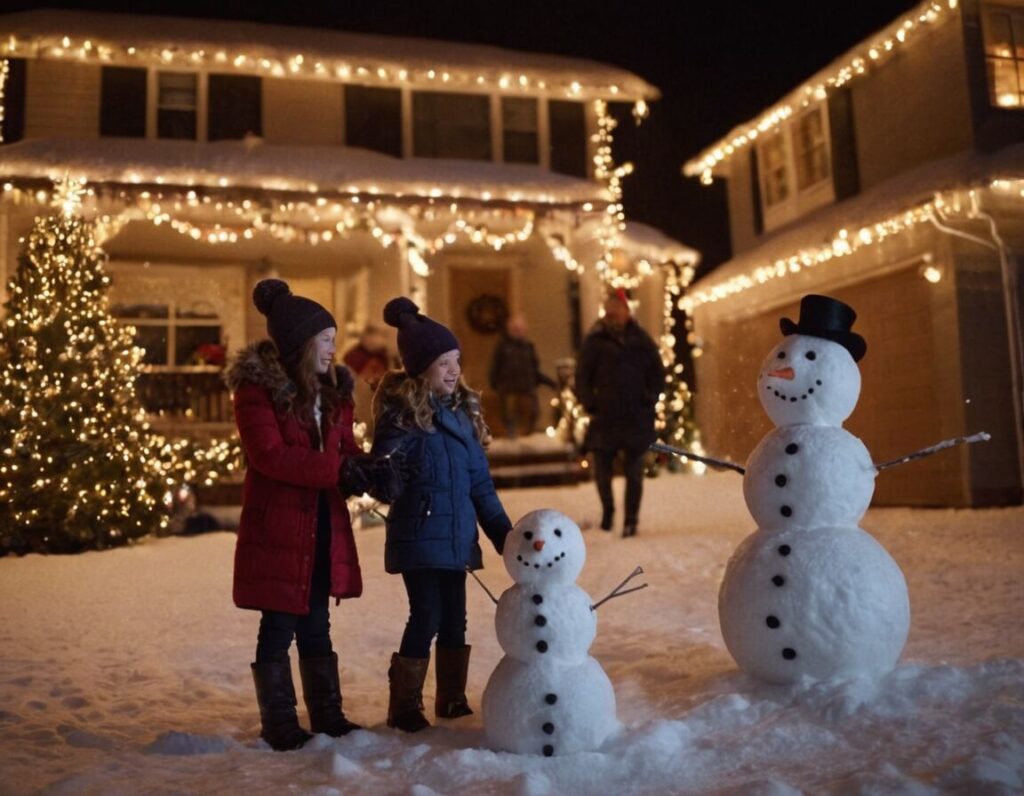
893	179
472	178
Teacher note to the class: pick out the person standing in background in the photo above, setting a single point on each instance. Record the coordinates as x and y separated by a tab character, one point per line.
514	376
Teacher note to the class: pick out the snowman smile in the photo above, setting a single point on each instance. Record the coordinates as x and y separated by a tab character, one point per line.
538	564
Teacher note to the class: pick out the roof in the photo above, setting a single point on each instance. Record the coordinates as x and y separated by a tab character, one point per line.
879	211
306	169
856	62
642	240
310	53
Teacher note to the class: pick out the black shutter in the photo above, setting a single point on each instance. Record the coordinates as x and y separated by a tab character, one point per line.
568	138
123	102
373	119
235	107
14	101
755	193
845	174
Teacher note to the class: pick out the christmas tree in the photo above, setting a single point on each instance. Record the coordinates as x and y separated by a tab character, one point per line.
78	467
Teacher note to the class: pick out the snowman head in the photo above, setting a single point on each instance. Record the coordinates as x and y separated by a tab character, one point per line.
808	380
545	547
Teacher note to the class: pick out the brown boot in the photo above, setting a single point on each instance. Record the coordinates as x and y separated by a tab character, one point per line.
405	704
275	695
321	691
452	668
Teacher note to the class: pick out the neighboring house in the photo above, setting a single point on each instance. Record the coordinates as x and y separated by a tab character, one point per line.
893	180
356	167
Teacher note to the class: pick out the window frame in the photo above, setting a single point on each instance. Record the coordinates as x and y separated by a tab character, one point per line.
1015	57
153	103
172	323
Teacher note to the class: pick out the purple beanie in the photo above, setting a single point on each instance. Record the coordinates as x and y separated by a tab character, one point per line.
291	319
420	340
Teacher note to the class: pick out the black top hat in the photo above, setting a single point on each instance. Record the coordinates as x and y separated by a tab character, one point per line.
822	316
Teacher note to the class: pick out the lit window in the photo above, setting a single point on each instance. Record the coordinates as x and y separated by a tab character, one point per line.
810	150
774	169
1004	57
175	336
176	105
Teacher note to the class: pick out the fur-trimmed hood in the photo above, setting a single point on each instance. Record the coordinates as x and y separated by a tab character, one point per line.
259	363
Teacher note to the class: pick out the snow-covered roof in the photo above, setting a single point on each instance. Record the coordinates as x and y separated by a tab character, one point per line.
866	211
310	53
307	169
856	62
642	240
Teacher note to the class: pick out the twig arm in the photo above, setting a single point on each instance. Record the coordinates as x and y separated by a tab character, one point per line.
482	586
661	447
981	436
618	590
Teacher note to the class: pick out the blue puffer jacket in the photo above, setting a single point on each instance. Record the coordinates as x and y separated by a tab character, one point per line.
433	523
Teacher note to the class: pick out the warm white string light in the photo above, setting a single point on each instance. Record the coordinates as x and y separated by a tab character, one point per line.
5	68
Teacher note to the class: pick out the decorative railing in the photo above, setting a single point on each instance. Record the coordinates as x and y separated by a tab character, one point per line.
195	394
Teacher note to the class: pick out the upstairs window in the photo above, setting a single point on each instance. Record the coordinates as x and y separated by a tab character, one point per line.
123	101
235	107
373	119
519	134
13	127
568	138
175	336
451	125
177	105
1004	56
810	150
774	163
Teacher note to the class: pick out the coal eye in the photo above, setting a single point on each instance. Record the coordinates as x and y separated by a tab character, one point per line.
528	535
811	355
782	355
558	531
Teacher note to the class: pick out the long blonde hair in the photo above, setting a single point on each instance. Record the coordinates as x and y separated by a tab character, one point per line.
409	397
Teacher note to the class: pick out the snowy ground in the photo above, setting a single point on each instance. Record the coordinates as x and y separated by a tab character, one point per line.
127	672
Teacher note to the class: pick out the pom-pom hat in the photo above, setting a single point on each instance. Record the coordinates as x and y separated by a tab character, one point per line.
420	339
291	319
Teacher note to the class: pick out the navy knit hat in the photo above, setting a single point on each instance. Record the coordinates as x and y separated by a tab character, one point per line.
420	340
291	319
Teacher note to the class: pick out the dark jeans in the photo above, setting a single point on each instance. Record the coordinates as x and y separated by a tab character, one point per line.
312	631
519	412
437	607
633	465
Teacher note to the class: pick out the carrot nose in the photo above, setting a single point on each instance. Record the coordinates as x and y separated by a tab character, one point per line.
783	373
538	545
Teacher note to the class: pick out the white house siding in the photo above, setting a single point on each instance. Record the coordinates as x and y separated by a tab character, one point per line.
309	112
741	202
62	100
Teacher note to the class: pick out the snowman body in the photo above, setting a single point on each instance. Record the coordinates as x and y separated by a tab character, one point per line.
810	594
547	696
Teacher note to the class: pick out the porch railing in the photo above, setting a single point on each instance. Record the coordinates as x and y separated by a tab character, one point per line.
193	395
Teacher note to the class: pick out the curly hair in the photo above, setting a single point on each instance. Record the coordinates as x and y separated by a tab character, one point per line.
409	398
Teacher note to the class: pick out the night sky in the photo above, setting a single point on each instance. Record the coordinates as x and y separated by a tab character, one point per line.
716	64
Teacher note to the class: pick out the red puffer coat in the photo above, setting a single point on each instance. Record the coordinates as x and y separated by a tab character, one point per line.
277	534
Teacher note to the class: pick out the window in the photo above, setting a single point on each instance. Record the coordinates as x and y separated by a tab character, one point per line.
13	127
123	102
373	119
810	150
175	336
235	107
519	120
1004	56
176	105
774	168
568	138
451	125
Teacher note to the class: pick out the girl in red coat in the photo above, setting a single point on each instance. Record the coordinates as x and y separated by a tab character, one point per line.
295	547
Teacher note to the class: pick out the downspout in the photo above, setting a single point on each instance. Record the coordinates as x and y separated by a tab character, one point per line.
1015	341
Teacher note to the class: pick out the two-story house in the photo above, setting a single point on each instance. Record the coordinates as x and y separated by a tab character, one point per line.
893	179
356	167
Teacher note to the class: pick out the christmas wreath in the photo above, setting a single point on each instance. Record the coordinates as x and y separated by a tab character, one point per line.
487	314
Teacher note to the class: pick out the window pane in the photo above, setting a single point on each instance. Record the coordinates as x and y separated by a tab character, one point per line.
198	345
568	138
373	119
13	127
519	118
235	107
154	340
176	106
1018	35
451	125
810	153
1002	81
123	102
773	158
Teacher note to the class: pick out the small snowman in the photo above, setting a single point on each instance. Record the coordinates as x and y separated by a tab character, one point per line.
547	696
810	594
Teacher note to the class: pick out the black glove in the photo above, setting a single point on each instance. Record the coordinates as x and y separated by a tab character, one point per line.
380	476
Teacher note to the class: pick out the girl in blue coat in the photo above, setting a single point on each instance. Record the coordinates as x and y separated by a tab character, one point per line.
428	418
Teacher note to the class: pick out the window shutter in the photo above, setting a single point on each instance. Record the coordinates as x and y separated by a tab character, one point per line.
373	119
568	138
235	107
845	173
123	102
14	101
755	193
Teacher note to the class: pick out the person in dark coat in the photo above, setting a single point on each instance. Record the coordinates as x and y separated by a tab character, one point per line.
295	547
619	377
428	418
515	375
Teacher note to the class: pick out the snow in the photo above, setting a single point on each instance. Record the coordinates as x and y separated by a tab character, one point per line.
277	167
126	672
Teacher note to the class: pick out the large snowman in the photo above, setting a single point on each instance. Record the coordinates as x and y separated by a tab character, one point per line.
810	594
547	696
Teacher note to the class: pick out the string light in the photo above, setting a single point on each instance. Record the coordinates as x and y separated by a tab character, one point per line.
849	67
5	69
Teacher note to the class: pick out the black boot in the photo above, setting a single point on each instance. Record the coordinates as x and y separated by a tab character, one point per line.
606	519
405	703
321	691
629	529
451	668
275	694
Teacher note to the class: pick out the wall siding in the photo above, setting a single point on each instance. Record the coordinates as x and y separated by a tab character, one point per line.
62	100
307	112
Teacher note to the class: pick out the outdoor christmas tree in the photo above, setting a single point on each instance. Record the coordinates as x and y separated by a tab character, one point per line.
78	467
